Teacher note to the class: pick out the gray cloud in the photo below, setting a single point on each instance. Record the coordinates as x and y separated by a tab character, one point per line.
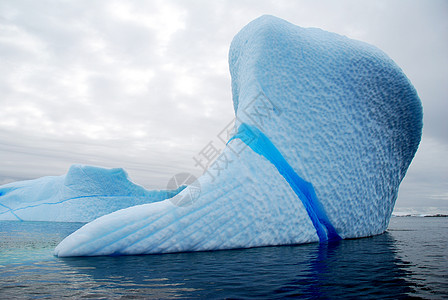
144	85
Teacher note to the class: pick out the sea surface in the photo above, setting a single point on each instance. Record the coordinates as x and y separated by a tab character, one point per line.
409	261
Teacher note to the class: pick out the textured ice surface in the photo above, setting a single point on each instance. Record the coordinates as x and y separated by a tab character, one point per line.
82	195
338	113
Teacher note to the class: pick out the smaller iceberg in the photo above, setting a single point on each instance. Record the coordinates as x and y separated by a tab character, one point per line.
82	195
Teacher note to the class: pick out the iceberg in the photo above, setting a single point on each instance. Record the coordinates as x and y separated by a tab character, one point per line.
82	195
325	129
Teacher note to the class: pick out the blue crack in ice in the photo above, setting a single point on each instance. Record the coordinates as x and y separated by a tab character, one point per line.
261	144
10	210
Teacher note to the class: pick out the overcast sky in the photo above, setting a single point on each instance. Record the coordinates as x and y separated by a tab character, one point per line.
144	85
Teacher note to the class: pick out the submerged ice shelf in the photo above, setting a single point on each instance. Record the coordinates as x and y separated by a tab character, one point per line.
326	129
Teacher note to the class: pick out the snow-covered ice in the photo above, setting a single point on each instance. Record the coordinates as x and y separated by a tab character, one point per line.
82	195
326	128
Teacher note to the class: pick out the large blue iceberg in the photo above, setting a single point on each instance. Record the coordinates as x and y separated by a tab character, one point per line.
82	195
325	130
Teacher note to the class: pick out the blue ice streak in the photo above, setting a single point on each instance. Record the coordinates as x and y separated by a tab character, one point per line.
261	144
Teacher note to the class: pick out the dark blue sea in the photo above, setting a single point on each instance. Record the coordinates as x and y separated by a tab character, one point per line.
409	261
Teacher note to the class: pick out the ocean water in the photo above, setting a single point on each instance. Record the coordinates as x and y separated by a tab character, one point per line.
409	260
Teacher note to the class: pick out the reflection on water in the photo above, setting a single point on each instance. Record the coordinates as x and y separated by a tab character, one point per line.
374	267
355	267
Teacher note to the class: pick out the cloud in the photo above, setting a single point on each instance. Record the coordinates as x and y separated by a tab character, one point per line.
426	182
